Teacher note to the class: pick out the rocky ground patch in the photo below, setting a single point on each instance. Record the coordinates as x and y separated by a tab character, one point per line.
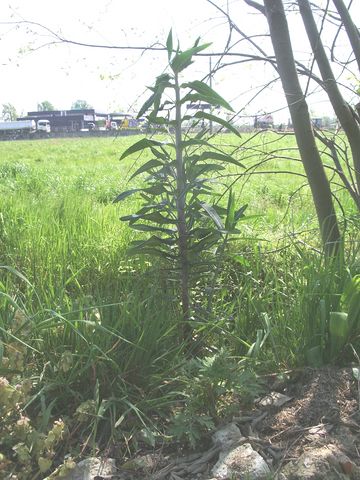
306	428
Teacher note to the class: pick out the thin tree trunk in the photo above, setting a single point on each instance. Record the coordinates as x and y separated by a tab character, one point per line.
340	106
351	29
300	117
181	218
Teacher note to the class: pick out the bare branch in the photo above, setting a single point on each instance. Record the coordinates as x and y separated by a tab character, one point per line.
350	27
256	5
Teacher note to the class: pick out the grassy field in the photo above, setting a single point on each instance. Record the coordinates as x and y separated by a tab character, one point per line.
59	227
100	330
58	194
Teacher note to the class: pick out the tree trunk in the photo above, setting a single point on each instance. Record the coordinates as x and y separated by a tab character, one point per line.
300	117
340	106
350	27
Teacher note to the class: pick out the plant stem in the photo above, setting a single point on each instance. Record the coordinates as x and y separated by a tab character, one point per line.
181	216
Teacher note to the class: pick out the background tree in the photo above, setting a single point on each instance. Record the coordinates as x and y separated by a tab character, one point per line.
45	106
287	67
80	105
300	118
342	109
8	112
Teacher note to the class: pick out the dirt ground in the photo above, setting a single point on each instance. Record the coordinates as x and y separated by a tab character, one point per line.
324	410
311	412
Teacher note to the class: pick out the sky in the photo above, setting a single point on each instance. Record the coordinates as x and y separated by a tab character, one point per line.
33	68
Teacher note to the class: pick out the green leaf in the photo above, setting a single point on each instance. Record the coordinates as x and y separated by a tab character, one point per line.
146	167
161	83
351	301
183	59
201	133
146	105
205	243
216	119
223	157
163	155
197	97
152	246
126	194
140	145
240	213
255	348
150	217
339	329
240	259
339	325
169	44
230	212
195	170
212	214
198	142
150	228
156	189
208	94
154	241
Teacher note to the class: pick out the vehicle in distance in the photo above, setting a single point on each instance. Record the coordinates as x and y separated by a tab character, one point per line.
19	129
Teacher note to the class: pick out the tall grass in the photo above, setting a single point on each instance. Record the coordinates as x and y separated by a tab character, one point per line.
102	329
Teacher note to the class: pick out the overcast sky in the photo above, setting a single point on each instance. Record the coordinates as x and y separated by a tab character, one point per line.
115	79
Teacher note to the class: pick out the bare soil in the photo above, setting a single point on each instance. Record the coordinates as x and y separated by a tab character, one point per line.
320	409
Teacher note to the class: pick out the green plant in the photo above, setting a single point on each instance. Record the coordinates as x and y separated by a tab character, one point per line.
209	386
338	324
27	447
104	369
180	211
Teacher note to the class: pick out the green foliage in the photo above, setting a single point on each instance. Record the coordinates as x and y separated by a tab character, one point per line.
182	59
335	330
8	112
210	385
179	206
80	105
70	358
95	314
27	447
45	106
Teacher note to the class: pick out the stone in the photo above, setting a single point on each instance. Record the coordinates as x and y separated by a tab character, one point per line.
240	462
147	462
227	436
92	469
274	399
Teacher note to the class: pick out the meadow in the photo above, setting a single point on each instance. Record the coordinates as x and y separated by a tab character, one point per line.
97	331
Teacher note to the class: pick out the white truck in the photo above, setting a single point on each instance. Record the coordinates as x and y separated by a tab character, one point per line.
23	129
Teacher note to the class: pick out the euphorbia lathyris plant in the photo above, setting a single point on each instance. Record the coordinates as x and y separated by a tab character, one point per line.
178	208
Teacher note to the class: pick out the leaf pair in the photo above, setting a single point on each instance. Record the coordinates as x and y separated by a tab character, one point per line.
182	60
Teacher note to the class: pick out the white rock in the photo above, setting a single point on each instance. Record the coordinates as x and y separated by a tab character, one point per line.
240	462
274	399
90	468
227	436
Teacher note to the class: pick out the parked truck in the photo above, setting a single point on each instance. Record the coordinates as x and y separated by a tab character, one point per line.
20	129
